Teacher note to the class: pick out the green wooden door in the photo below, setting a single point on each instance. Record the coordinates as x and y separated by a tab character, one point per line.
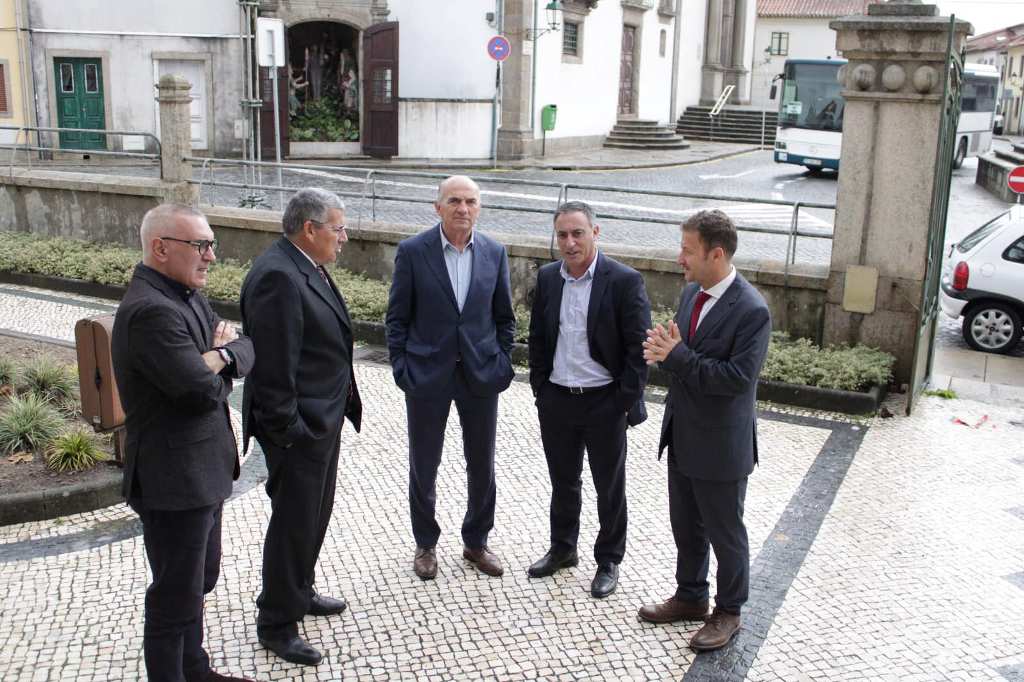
79	86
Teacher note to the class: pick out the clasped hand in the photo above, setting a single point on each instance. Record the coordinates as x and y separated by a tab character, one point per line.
660	342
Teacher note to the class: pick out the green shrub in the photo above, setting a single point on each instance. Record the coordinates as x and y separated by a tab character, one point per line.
74	450
28	423
840	367
8	374
50	381
366	298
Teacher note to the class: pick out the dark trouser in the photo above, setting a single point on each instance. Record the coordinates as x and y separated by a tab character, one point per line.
300	483
478	416
183	548
568	424
709	514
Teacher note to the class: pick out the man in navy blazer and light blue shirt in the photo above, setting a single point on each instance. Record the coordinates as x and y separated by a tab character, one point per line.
713	350
590	317
450	327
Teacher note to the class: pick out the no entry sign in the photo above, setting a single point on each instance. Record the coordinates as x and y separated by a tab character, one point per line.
499	48
1016	180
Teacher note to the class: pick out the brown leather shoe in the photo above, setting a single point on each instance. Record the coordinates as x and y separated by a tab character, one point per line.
425	563
716	632
485	560
672	609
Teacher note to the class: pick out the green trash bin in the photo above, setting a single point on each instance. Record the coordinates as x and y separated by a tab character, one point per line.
547	117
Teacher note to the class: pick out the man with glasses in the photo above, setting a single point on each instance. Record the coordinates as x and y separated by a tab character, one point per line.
294	403
174	360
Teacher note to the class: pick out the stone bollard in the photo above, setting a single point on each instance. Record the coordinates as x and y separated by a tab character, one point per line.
176	139
893	87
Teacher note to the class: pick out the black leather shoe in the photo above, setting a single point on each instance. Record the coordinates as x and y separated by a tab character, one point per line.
552	562
605	580
322	605
293	649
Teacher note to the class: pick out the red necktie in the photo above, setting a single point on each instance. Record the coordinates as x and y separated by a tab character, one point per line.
702	298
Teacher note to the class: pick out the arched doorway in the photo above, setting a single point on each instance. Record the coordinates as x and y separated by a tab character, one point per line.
324	102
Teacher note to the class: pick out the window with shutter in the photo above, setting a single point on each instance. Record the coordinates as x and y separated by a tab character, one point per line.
5	106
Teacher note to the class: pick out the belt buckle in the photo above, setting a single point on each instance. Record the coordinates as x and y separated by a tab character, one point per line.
576	390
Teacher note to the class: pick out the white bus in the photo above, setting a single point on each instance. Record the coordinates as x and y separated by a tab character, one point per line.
810	128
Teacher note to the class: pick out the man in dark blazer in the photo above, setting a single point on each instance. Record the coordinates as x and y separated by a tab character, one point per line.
589	321
296	399
713	350
174	360
450	327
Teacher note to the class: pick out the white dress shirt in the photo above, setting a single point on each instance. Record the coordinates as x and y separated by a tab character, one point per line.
460	267
572	365
716	292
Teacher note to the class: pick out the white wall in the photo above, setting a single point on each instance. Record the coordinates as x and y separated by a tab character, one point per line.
586	93
655	70
444	130
443	49
179	16
128	59
808	39
691	54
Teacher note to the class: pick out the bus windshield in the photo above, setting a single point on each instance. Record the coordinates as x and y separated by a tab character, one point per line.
811	97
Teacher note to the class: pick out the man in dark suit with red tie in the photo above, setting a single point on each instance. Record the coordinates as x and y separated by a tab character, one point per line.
590	316
295	402
713	350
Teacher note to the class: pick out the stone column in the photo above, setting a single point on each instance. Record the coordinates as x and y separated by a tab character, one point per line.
893	86
515	136
176	139
379	11
712	74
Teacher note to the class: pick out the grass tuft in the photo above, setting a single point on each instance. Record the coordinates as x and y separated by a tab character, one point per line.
74	450
28	424
50	381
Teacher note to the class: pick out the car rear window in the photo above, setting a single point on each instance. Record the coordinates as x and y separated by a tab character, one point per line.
1015	252
982	233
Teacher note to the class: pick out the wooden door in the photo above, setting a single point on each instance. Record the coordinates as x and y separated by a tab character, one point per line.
79	89
626	104
380	90
267	112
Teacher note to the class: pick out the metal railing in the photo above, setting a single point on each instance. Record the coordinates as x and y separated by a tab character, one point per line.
717	109
27	147
370	184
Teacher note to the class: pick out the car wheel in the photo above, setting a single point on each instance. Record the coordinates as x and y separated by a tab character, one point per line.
961	154
992	327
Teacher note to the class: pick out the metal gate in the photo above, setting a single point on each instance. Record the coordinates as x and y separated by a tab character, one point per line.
924	346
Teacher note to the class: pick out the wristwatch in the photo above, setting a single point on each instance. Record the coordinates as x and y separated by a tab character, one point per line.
225	356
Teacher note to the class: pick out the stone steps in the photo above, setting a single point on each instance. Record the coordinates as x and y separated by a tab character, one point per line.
731	125
643	134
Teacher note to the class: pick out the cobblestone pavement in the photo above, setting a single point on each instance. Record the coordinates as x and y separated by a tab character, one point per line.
881	549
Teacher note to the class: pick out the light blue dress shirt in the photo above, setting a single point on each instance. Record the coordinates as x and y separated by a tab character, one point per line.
573	366
460	267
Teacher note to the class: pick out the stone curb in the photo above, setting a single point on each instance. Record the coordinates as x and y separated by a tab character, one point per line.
73	499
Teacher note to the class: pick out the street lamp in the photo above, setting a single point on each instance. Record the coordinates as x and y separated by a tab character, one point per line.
552	10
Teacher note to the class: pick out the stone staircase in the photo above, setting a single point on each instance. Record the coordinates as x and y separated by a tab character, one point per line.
995	167
731	125
640	134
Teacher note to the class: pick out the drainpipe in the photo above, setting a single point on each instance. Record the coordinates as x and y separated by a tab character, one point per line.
533	76
677	32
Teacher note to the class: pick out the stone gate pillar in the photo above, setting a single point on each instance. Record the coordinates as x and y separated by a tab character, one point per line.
176	139
893	86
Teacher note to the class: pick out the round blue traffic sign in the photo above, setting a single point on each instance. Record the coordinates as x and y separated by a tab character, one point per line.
499	48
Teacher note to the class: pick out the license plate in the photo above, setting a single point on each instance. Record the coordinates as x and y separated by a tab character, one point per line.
812	162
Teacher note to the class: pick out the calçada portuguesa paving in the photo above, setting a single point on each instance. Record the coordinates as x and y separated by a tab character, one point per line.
881	549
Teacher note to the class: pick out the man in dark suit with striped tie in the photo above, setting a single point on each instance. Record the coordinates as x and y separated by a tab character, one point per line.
713	350
294	403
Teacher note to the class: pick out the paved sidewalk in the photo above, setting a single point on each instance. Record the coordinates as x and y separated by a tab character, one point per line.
881	549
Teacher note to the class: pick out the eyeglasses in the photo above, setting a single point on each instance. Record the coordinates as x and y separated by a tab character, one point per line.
201	245
336	229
